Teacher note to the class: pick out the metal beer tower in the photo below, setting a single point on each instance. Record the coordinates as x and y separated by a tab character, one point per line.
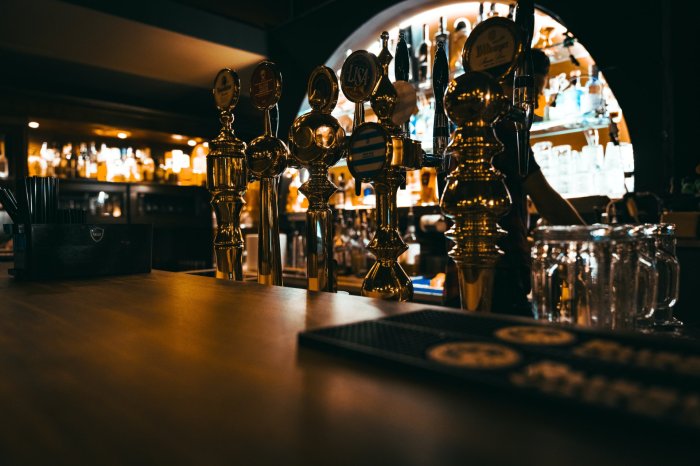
267	158
476	196
317	141
379	153
227	179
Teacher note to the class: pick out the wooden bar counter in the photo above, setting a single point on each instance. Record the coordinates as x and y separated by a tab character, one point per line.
172	368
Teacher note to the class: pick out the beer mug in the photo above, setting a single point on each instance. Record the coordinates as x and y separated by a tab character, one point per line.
659	241
591	275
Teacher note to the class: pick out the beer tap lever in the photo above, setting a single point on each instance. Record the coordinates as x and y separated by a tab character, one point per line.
524	97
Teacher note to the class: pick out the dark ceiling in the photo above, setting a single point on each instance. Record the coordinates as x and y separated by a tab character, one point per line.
266	14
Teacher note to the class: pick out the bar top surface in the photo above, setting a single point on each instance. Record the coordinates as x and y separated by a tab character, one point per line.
170	368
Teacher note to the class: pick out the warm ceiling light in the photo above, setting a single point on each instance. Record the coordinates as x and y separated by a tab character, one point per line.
178	137
33	124
191	143
122	135
205	144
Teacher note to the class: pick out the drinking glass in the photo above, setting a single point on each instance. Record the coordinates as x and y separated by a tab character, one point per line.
564	167
542	152
590	275
660	242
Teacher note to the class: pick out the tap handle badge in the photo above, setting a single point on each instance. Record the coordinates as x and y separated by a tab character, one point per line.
265	86
322	89
493	47
226	90
368	152
359	76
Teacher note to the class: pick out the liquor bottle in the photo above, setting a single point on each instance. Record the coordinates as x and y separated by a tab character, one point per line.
428	196
83	161
481	16
443	36
423	56
492	11
358	253
340	199
339	246
347	236
410	259
4	168
592	102
569	100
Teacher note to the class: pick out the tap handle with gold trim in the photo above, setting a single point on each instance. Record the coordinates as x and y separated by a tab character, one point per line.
267	158
227	179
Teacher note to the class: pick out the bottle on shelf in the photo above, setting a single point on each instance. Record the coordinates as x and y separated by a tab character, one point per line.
592	102
339	245
423	57
569	100
340	194
492	11
481	15
4	166
410	259
358	255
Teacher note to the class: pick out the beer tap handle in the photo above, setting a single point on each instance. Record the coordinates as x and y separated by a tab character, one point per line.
524	97
441	126
402	63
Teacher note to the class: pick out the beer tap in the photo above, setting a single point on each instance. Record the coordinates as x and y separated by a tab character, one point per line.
441	126
317	141
227	179
476	196
524	98
267	158
379	153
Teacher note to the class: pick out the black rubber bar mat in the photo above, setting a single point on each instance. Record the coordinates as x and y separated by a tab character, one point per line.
642	376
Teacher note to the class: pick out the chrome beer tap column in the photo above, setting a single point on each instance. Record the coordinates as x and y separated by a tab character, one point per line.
316	142
227	179
379	153
267	158
475	196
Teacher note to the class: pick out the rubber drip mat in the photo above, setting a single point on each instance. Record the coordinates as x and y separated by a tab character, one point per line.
645	377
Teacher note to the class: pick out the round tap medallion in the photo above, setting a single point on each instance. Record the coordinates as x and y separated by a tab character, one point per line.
227	89
369	150
323	89
265	86
359	75
493	47
474	355
534	335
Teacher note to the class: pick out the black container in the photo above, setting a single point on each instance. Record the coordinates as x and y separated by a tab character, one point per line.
53	251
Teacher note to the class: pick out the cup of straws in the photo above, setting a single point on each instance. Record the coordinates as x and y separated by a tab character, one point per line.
36	202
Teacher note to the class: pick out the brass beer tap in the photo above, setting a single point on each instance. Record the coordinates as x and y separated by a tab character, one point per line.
227	179
267	158
380	153
317	141
475	196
